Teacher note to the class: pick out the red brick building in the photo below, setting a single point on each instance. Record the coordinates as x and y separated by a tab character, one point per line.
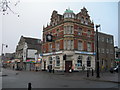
73	35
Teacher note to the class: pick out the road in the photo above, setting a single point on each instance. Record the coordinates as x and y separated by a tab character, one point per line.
43	79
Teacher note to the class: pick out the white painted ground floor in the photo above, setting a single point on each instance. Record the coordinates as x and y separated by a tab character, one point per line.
74	60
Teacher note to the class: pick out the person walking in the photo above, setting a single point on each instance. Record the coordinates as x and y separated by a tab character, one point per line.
83	68
72	68
13	67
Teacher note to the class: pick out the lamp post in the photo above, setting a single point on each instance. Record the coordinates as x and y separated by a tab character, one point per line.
2	51
97	54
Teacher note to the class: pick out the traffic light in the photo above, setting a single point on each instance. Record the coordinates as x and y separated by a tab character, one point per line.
64	57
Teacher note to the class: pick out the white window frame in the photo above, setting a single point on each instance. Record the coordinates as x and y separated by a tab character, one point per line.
88	33
57	46
86	21
80	45
79	31
82	20
79	64
50	61
89	60
89	47
57	59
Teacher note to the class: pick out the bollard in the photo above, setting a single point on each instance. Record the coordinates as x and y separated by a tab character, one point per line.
50	70
29	86
87	73
92	72
53	71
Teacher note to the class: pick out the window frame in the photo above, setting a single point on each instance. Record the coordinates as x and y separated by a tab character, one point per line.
79	61
57	59
50	61
80	45
89	61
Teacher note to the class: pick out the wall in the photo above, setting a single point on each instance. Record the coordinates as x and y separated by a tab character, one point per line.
31	53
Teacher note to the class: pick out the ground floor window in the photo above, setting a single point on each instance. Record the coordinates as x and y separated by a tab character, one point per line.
50	60
57	61
79	61
88	61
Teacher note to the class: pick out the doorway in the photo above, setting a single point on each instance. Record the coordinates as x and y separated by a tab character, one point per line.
68	64
44	65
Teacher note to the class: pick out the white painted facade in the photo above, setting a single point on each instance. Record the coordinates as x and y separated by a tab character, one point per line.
71	56
25	52
31	53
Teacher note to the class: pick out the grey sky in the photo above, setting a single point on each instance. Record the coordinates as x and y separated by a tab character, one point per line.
33	15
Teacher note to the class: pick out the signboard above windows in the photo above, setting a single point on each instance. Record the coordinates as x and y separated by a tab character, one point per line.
90	53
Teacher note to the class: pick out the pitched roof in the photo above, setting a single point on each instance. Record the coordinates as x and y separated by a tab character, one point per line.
33	43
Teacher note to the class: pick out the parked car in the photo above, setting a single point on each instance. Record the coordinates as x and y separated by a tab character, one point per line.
115	69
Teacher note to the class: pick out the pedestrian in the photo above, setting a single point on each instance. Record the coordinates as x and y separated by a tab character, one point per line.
53	71
13	67
83	67
36	69
48	68
72	68
102	68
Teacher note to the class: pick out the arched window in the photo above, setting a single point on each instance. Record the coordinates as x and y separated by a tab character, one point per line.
57	61
73	16
50	60
79	61
86	21
82	20
88	61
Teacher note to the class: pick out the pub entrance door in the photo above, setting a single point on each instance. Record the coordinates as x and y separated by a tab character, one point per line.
68	64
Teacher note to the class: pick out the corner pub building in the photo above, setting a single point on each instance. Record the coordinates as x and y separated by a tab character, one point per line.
73	37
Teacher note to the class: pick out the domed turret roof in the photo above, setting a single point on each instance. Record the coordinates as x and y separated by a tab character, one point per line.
68	11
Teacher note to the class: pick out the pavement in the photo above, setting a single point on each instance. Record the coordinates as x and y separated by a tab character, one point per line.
43	79
104	77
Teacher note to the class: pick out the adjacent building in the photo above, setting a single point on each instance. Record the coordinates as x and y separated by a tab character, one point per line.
106	50
117	55
72	38
26	51
9	56
7	59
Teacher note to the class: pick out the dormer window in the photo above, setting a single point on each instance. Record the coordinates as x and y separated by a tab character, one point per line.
73	16
86	21
82	20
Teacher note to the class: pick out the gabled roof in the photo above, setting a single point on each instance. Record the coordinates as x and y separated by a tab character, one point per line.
32	43
30	40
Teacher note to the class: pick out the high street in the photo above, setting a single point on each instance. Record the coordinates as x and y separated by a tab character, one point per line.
43	79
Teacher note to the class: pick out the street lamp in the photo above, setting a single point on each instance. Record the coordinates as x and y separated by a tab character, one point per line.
97	54
2	51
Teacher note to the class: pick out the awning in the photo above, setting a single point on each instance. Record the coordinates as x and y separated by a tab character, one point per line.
30	61
118	60
17	60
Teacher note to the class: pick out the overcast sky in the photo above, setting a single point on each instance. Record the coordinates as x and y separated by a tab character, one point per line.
34	14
